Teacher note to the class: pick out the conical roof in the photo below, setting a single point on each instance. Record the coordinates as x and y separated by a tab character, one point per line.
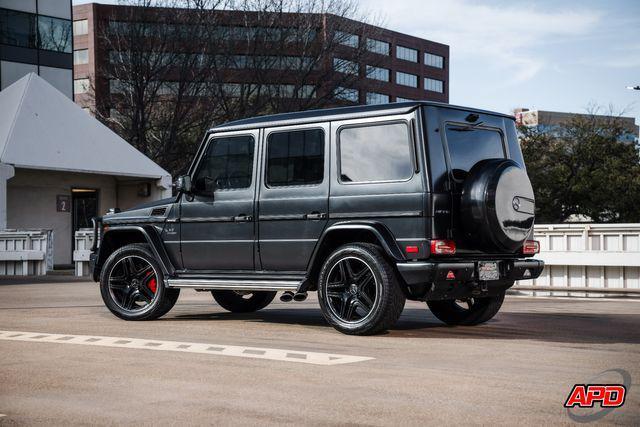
40	128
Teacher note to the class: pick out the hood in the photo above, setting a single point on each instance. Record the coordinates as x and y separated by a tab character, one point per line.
157	210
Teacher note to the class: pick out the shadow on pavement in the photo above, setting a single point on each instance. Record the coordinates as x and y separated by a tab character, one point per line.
576	328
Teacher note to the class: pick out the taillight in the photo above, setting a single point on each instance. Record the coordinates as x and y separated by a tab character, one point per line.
412	249
443	247
531	247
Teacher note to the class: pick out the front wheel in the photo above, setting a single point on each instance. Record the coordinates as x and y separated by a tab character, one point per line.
243	301
358	290
132	284
470	311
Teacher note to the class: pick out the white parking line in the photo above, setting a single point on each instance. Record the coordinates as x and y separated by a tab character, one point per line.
186	347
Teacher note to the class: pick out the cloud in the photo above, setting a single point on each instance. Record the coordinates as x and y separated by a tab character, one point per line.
507	35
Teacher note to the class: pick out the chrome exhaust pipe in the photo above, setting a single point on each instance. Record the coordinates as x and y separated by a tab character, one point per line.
300	296
286	296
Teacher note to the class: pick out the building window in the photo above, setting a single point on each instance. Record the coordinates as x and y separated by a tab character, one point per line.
406	79
377	98
347	39
345	66
54	34
377	73
227	165
80	28
346	94
399	99
80	56
17	28
361	149
378	46
295	158
406	54
433	85
81	86
433	60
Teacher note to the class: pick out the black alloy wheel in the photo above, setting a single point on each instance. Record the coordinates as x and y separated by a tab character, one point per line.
358	290
469	311
132	284
243	301
352	289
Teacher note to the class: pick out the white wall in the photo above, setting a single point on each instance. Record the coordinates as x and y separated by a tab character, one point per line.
31	202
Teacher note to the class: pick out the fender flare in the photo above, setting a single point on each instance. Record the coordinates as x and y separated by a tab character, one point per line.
379	230
150	235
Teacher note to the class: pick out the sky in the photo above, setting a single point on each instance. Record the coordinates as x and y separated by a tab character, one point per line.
562	55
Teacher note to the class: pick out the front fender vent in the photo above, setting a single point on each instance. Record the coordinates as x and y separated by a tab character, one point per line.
158	211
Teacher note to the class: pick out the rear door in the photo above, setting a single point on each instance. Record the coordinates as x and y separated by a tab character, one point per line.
293	199
459	139
375	177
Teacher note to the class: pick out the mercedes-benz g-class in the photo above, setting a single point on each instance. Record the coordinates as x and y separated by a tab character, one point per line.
368	205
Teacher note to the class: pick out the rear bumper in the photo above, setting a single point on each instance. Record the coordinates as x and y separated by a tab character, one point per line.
446	278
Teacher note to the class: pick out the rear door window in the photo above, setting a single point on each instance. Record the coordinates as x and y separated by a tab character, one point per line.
295	158
468	145
375	153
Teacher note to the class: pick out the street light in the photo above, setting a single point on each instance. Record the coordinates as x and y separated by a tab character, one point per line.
633	87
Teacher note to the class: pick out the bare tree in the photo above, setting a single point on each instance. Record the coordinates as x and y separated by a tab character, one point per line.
171	74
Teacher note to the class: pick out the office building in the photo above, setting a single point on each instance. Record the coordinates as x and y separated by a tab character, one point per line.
36	37
396	67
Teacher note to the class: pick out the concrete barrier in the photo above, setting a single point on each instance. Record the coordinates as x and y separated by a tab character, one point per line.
83	240
581	259
26	252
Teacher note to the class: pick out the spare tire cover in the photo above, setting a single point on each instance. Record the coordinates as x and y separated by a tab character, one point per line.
497	205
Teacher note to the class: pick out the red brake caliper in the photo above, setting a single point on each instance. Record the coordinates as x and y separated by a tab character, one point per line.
152	283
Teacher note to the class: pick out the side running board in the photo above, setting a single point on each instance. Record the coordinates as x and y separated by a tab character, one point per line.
236	284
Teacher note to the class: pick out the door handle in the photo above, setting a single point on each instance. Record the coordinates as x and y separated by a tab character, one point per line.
315	215
243	218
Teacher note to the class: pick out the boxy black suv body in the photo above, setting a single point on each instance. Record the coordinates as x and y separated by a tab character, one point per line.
368	205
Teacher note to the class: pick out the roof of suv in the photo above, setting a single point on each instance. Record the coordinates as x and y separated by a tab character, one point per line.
339	113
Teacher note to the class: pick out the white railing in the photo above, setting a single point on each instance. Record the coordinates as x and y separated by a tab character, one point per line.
585	259
580	259
26	252
82	249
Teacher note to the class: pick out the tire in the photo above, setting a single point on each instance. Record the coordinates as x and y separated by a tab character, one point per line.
240	302
481	310
145	299
370	300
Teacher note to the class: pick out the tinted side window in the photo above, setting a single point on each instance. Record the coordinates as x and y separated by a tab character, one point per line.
375	153
467	146
227	164
295	158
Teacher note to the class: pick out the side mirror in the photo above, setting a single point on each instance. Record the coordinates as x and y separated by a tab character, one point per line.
183	184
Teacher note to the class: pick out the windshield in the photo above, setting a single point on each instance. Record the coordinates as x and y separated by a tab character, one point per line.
468	145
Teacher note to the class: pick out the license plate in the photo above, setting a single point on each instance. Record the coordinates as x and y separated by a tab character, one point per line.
488	271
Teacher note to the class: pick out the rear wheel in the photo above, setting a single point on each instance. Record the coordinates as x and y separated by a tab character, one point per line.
132	284
469	311
243	301
358	290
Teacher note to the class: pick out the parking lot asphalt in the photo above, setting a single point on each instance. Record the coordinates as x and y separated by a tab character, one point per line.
66	360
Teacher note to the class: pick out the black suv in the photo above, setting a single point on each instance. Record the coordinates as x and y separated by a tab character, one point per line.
368	205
